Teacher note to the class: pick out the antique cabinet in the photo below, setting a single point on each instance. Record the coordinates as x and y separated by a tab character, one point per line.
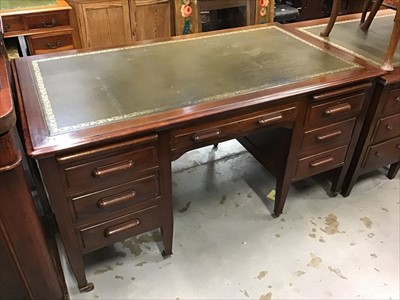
150	19
101	23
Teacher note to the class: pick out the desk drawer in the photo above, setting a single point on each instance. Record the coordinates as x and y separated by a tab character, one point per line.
12	24
47	43
393	102
116	198
209	132
382	154
110	170
387	128
321	162
47	20
324	136
343	107
111	231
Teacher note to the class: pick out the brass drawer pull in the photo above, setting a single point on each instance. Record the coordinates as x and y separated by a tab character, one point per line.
337	109
389	127
57	45
112	168
116	199
322	161
7	27
378	154
396	99
52	24
329	135
108	232
198	137
270	119
398	146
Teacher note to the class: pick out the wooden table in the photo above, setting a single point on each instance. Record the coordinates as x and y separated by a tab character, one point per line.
104	126
40	26
379	142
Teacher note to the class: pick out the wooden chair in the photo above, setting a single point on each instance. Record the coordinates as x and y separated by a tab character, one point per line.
365	24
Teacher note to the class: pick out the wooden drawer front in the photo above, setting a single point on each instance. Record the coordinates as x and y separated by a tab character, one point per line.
210	132
110	170
324	136
47	20
321	162
387	128
117	229
12	24
393	102
46	43
343	107
115	198
382	154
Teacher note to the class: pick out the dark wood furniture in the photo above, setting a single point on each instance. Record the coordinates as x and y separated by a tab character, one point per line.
104	134
28	266
379	142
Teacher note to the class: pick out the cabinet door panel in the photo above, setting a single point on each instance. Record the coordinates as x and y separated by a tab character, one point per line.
152	19
106	24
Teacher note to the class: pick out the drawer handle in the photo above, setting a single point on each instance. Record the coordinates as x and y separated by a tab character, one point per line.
396	99
52	24
116	199
270	119
322	161
112	168
329	135
57	45
337	109
7	27
378	154
389	127
198	137
108	232
398	146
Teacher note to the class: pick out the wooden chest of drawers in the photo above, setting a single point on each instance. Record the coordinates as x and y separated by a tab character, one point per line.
43	29
379	143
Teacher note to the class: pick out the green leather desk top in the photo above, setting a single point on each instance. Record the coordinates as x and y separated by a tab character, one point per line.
370	46
23	4
90	89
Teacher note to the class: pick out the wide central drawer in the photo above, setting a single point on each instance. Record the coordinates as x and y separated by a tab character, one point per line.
210	132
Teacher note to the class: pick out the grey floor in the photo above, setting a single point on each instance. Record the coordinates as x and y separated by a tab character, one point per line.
228	246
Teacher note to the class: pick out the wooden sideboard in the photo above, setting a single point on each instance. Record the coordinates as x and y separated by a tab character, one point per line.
39	29
106	157
106	23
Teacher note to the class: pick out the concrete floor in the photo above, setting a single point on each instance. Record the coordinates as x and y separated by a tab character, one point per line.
228	246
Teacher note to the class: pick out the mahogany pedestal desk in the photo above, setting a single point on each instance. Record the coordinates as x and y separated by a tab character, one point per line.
379	142
105	125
